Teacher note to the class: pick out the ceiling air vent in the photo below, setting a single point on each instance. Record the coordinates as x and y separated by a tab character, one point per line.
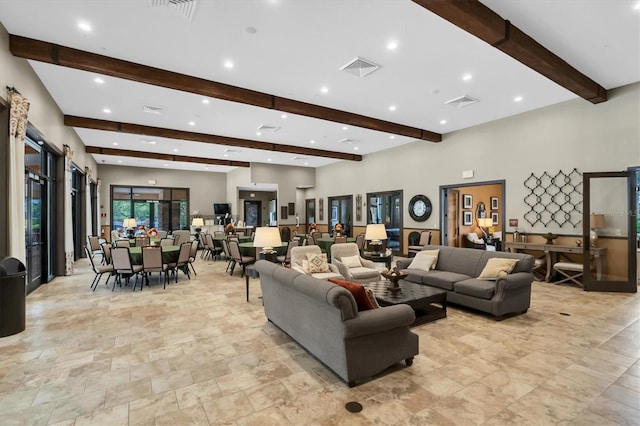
348	141
185	8
267	128
153	109
298	158
461	101
232	150
360	67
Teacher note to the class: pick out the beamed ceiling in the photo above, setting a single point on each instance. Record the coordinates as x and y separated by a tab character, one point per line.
260	81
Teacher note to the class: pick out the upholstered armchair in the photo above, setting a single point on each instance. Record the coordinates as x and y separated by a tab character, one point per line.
302	260
351	265
471	240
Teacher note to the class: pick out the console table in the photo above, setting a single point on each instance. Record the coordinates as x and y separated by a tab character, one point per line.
553	252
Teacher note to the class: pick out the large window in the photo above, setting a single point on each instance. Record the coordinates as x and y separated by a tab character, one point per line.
161	208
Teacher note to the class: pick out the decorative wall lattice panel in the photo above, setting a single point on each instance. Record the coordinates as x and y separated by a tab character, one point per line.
554	198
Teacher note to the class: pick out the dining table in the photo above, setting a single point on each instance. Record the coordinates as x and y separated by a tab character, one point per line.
241	239
326	243
169	254
248	249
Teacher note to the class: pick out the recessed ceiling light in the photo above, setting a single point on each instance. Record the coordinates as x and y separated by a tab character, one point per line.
206	167
392	108
312	141
517	99
392	45
258	134
467	77
345	128
226	155
84	26
637	6
98	80
115	144
206	101
106	110
324	89
283	116
119	161
228	64
306	164
269	159
192	123
443	121
392	137
147	142
166	165
175	150
355	148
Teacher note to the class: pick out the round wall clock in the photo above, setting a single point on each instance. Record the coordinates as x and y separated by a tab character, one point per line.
419	208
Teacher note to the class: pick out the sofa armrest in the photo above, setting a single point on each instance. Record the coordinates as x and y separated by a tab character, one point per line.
378	320
514	281
403	264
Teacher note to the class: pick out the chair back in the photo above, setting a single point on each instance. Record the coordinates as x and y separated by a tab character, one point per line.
240	233
218	233
425	238
298	254
225	248
121	259
340	240
234	249
151	258
142	241
106	252
87	251
122	243
114	236
296	241
94	243
311	241
360	241
325	235
290	246
166	242
194	249
162	234
176	239
285	234
185	252
344	250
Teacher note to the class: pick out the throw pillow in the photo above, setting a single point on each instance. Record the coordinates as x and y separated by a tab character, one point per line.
351	261
317	263
430	253
424	262
372	298
497	267
358	291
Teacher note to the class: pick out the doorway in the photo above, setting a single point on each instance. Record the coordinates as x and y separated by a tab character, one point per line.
34	223
252	213
77	218
386	208
310	213
341	211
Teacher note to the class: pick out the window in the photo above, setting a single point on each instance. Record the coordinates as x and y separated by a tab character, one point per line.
161	208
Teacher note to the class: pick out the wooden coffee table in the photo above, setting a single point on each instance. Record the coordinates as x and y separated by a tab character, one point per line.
423	299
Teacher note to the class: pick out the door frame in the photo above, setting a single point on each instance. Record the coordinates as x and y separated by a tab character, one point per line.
258	204
590	282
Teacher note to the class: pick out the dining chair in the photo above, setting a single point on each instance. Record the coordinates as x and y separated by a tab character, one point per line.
218	233
192	255
121	259
166	242
142	241
214	247
152	262
94	246
311	241
205	245
122	243
425	239
98	270
340	240
325	235
285	259
176	239
360	240
236	255
106	253
227	254
181	262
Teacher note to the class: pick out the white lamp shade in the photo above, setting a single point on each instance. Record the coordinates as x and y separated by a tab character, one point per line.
485	222
267	236
197	222
130	223
375	231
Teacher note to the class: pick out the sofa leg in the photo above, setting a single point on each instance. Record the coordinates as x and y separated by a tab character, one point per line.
351	383
409	361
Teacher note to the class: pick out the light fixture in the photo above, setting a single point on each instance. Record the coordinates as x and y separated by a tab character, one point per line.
392	45
130	224
324	89
206	101
392	137
106	110
283	116
198	223
175	150
312	141
115	144
192	123
485	222
228	64
98	80
375	233
84	26
267	237
443	121
517	99
392	108
596	221
345	128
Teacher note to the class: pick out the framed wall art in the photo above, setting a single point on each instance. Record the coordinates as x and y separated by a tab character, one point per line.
494	218
467	201
467	218
495	201
320	208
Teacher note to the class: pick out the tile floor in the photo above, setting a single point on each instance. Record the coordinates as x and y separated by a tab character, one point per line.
197	353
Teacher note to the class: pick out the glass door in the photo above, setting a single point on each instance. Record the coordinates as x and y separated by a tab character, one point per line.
310	212
386	208
34	231
252	213
609	231
341	211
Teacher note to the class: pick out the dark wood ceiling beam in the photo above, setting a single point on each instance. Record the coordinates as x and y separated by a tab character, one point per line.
164	157
51	53
482	22
137	129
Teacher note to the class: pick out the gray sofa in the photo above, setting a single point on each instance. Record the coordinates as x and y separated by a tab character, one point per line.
456	272
323	318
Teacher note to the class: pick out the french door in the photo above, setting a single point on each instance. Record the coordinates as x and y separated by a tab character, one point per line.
35	223
252	213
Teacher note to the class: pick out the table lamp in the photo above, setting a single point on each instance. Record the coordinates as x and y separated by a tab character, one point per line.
374	234
267	237
596	221
485	222
130	224
198	223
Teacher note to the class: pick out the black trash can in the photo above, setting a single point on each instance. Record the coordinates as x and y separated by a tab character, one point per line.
13	296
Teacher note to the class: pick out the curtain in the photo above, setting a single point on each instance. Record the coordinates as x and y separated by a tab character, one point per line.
18	113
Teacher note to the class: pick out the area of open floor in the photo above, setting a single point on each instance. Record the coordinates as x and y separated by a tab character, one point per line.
198	353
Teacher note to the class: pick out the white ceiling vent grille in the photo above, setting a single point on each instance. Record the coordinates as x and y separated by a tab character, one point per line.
233	150
153	109
461	101
348	141
185	8
360	67
267	128
298	158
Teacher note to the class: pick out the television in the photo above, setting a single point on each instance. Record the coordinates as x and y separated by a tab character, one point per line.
221	209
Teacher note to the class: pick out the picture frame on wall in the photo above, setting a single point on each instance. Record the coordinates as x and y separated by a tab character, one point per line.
494	218
321	208
467	201
495	201
283	212
467	218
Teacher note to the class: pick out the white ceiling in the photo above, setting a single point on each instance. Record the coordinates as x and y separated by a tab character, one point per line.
297	48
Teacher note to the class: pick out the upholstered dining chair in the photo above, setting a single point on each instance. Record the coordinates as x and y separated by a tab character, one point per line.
238	258
94	247
152	262
285	259
98	270
106	253
193	254
360	240
122	243
340	240
425	239
122	265
351	265
166	242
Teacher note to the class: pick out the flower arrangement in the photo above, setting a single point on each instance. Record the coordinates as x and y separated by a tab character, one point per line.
229	228
152	233
338	227
313	227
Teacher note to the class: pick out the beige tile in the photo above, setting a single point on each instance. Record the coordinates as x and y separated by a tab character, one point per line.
197	394
77	406
171	381
228	408
145	410
189	416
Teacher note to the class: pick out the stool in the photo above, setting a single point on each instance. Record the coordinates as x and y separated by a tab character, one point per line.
250	271
570	271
